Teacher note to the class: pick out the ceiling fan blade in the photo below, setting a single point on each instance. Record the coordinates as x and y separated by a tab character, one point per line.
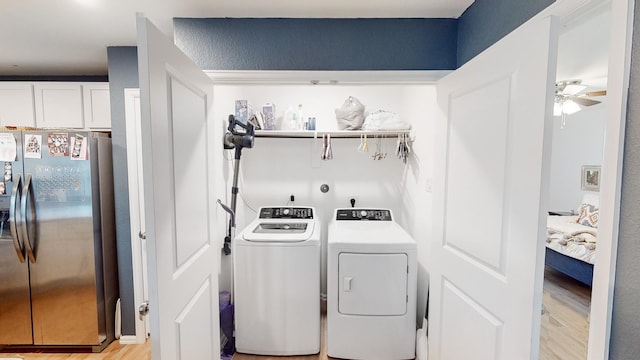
597	93
583	101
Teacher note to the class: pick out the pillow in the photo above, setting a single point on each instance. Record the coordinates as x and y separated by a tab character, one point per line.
590	198
588	215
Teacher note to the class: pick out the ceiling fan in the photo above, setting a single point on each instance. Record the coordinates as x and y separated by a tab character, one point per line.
569	99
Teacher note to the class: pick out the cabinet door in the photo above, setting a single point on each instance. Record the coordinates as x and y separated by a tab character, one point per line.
97	108
16	104
58	105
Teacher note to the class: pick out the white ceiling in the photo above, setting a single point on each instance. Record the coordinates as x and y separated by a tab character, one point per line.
583	49
70	37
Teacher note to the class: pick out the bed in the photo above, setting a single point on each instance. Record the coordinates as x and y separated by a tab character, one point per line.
571	242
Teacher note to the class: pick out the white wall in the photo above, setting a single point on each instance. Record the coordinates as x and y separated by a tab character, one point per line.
276	168
579	143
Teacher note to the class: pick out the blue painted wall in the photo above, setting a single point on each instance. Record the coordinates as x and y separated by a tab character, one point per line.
318	44
123	73
487	21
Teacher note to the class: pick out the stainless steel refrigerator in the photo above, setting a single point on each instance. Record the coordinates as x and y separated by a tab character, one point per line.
58	271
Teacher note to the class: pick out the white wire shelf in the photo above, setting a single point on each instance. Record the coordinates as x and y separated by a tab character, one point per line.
333	133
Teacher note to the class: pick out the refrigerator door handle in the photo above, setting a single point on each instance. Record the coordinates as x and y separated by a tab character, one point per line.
13	218
23	210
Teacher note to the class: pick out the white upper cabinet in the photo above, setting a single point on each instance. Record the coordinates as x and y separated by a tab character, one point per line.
72	105
59	105
97	108
16	104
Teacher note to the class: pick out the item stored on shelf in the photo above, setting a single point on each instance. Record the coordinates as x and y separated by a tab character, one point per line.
385	120
269	116
350	115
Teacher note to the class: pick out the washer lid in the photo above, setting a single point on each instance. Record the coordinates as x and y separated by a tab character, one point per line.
276	230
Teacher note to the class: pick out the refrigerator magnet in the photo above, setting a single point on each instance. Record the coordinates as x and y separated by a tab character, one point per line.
8	171
58	144
33	146
78	147
8	147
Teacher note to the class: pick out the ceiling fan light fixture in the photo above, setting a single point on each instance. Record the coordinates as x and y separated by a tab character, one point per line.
573	89
557	109
570	107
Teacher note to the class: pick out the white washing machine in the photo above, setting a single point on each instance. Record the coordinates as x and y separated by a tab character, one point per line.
371	286
277	283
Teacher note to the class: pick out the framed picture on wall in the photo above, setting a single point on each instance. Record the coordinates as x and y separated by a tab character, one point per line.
591	177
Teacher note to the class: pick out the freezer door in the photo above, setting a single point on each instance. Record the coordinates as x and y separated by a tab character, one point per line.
15	310
60	227
15	307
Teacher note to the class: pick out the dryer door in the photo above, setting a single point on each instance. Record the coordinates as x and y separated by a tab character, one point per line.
372	284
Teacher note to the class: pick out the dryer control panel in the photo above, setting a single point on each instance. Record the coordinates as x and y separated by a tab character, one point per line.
286	213
363	214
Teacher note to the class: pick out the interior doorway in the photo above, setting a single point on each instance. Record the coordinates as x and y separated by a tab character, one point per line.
580	115
137	215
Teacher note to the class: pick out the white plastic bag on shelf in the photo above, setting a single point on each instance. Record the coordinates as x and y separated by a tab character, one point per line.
350	115
385	120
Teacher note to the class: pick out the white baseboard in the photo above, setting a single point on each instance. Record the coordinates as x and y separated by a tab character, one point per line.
130	340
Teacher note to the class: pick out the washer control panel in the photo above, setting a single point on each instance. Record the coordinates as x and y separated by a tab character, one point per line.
286	213
363	214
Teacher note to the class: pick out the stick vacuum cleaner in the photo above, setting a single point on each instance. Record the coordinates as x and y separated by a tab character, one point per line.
238	137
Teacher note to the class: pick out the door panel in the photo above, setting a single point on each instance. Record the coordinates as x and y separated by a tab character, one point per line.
486	264
478	175
372	284
194	326
178	146
189	158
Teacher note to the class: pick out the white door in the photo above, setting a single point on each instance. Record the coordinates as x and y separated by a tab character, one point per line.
178	153
489	222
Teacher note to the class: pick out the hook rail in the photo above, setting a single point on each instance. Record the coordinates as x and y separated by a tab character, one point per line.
354	134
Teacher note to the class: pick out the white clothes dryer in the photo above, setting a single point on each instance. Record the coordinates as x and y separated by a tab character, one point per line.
277	283
371	286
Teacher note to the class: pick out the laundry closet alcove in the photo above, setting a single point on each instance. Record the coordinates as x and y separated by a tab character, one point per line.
284	163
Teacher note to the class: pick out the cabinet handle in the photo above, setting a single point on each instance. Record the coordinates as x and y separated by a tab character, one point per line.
346	283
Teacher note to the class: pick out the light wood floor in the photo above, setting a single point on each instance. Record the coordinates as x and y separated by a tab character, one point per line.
115	351
565	323
564	332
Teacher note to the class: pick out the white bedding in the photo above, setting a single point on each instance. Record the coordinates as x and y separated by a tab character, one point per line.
566	236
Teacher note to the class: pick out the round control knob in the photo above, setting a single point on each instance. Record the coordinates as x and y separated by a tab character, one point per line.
285	211
363	213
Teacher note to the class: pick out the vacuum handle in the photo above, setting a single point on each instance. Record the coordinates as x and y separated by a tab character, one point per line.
232	126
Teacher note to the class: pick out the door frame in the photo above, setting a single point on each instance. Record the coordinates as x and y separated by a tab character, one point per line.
138	251
617	92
